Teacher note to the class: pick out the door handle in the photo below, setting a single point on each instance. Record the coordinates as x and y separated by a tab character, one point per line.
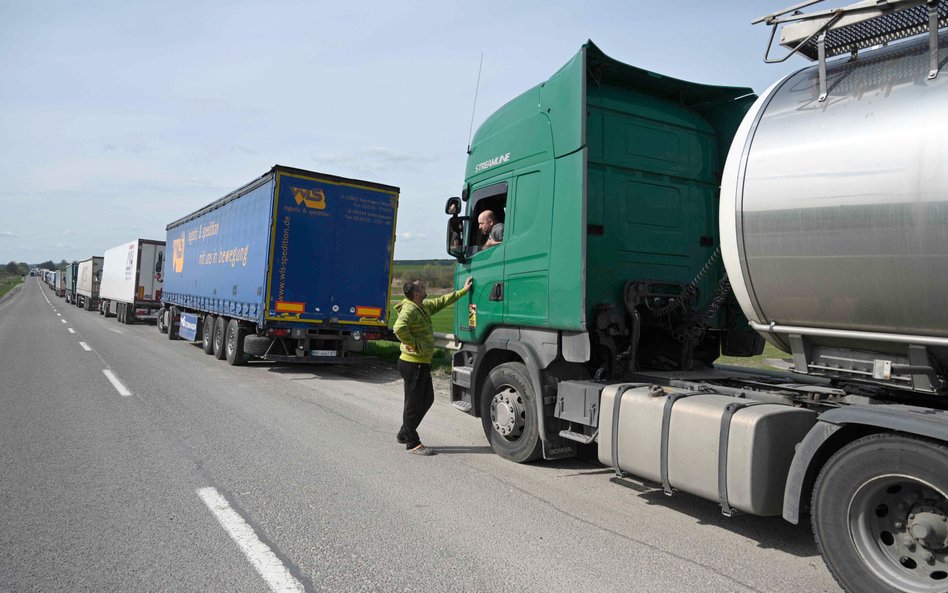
497	292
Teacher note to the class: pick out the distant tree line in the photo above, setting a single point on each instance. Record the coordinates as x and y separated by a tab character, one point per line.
22	269
435	275
16	269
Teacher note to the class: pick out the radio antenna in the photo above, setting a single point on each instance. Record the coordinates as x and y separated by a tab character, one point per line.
477	87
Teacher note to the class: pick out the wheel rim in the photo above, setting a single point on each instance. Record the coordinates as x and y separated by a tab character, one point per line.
899	525
507	413
231	342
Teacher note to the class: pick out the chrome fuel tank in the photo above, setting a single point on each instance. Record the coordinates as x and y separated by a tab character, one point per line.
834	214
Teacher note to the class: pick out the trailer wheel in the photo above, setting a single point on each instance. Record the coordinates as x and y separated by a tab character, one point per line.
509	413
207	335
880	515
234	344
220	329
102	307
172	312
161	322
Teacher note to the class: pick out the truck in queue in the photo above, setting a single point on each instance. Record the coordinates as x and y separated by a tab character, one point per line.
88	280
132	276
652	225
60	283
295	266
72	274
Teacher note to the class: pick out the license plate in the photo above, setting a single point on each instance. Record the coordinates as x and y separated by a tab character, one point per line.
322	352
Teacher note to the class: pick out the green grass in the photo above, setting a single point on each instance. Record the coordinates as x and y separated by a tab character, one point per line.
389	351
441	363
442	322
7	283
757	362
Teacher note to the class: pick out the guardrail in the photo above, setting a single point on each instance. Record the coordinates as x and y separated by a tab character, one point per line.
446	341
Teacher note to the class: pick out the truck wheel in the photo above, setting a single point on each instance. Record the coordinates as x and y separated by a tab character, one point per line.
509	413
172	312
207	336
220	330
102	305
161	322
234	344
880	515
120	313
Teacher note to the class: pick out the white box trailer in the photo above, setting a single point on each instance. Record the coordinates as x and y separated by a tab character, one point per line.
87	283
132	278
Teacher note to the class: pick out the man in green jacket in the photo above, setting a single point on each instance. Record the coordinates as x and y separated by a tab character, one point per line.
413	329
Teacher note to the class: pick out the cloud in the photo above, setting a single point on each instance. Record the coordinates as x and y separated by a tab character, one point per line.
8	234
408	236
137	150
243	150
374	158
392	156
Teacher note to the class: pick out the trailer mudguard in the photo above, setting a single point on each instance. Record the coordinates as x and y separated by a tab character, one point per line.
923	422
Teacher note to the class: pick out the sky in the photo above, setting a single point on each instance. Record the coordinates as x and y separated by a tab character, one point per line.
119	117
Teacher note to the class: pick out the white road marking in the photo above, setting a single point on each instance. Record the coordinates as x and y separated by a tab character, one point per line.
63	320
262	558
85	346
118	331
123	390
72	331
59	314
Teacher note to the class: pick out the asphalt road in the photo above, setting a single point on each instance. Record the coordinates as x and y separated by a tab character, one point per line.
216	478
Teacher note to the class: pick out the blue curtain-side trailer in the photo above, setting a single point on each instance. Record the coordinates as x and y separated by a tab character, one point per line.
295	266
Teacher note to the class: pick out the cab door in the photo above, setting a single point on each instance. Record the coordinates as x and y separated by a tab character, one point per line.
483	307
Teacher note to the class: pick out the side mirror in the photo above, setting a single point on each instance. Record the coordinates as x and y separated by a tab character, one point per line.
454	241
453	206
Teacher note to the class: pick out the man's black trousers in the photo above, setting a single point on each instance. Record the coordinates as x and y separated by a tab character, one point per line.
419	395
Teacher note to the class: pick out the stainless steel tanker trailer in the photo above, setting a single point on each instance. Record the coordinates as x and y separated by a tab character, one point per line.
832	227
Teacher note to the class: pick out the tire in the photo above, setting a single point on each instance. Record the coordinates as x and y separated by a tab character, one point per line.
207	335
234	344
120	313
172	313
220	329
880	515
509	413
161	321
102	306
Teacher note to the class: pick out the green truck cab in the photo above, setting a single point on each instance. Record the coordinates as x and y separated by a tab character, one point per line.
606	179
